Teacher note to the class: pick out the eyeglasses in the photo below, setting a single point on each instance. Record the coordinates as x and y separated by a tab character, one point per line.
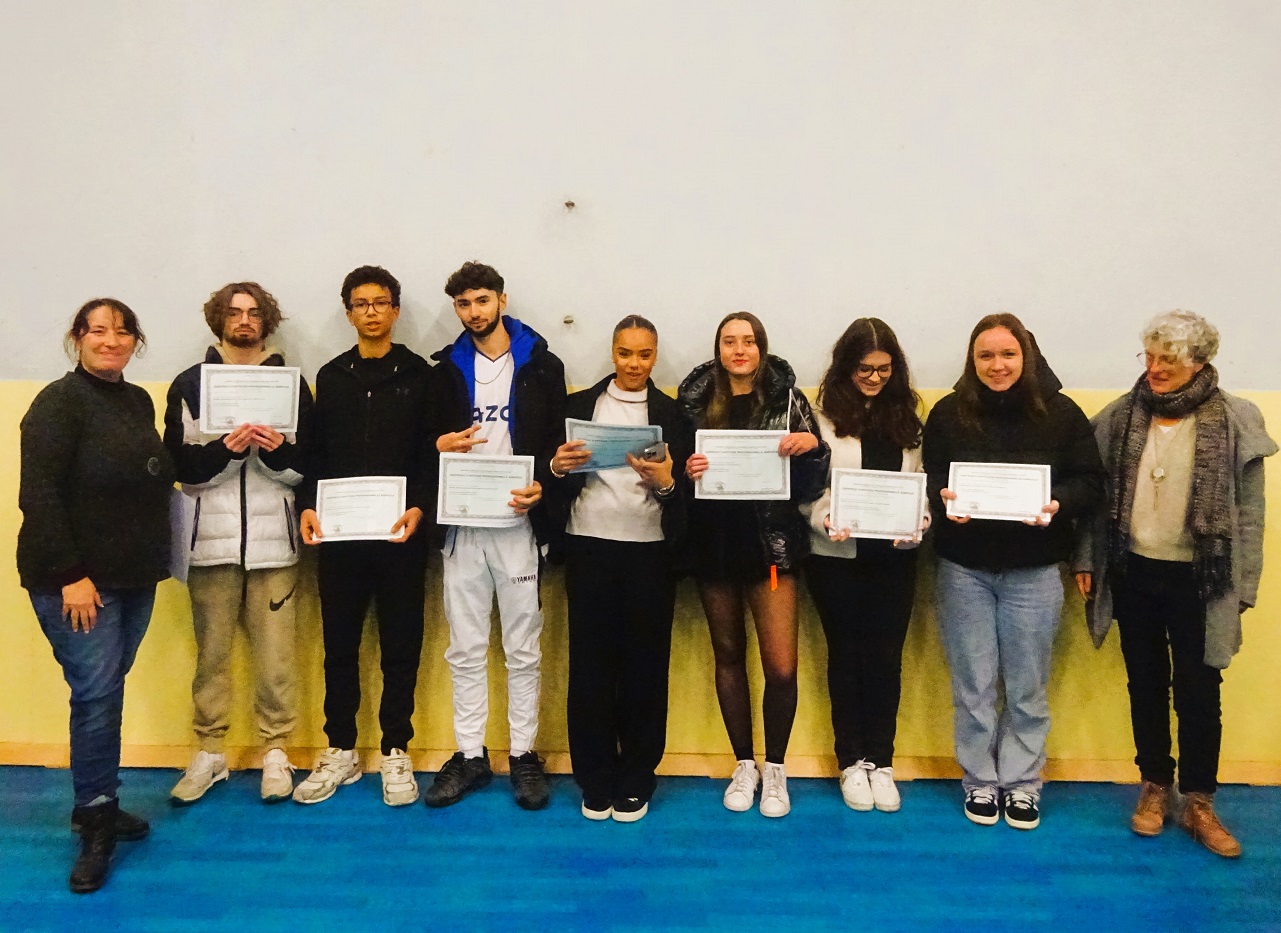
234	314
865	372
1165	359
360	306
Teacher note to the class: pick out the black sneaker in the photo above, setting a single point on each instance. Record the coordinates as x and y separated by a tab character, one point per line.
980	806
630	809
129	828
459	777
1022	810
597	808
529	781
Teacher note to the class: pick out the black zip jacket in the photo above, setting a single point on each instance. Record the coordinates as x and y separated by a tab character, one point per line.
537	407
678	434
95	487
784	534
385	429
1007	434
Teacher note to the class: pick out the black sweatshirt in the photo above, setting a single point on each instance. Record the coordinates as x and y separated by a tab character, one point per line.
95	487
1007	434
374	417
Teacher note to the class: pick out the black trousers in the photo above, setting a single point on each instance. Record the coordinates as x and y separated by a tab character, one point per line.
621	598
1162	619
350	575
865	605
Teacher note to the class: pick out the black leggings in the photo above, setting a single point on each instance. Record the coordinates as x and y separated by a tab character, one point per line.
865	606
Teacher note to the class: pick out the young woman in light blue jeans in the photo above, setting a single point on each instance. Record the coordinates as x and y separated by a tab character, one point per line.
999	589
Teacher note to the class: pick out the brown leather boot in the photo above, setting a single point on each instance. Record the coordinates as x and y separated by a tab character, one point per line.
1153	809
1202	825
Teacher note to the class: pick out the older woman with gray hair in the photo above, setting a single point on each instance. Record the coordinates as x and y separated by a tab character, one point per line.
1175	558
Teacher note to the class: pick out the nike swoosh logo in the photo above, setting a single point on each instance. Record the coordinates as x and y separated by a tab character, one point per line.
275	606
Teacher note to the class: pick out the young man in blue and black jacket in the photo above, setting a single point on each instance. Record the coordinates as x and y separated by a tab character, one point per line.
500	392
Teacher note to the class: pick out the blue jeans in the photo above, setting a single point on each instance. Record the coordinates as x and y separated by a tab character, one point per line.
94	664
998	628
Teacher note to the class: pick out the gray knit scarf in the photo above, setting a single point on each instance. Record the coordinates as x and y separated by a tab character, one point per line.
1210	515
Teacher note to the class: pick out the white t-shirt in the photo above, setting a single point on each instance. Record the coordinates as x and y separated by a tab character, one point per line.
493	404
613	504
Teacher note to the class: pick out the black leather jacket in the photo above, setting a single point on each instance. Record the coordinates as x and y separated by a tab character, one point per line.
783	532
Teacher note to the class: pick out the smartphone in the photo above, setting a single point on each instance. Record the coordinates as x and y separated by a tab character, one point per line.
655	452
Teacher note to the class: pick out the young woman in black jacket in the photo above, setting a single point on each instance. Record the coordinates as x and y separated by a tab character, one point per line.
94	543
748	552
999	589
622	529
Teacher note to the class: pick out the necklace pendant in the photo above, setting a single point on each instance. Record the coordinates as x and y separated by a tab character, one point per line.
1158	474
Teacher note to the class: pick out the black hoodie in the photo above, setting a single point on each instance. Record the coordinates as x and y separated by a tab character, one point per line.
1007	434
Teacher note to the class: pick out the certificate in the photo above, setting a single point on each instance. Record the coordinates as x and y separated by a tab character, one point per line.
475	490
234	395
610	443
878	503
1003	491
743	465
359	508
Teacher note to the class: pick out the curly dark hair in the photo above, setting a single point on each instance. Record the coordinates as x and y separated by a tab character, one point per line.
1029	382
718	405
474	275
894	412
219	304
80	324
370	275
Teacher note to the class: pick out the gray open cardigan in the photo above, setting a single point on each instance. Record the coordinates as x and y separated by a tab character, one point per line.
1249	442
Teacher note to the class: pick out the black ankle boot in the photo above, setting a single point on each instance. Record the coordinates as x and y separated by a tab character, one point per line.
97	842
129	828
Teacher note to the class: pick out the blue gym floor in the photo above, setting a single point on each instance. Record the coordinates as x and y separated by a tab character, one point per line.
351	863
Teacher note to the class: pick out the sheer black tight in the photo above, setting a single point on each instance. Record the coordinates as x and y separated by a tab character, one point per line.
774	614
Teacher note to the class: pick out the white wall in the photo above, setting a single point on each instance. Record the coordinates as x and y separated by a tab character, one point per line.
1082	163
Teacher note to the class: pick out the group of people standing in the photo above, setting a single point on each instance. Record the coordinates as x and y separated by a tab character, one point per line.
1162	499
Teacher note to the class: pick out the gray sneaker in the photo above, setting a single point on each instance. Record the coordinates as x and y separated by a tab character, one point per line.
335	768
205	770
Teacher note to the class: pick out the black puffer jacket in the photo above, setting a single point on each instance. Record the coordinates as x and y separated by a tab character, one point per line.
784	534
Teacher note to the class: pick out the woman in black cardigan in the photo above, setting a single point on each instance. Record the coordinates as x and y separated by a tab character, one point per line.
94	542
623	528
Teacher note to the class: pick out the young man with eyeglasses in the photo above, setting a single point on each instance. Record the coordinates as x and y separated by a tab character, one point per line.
502	392
243	550
373	409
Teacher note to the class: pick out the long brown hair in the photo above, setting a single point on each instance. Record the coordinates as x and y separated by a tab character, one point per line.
718	406
1028	385
894	412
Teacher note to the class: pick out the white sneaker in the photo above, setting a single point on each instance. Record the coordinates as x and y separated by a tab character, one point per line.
205	770
277	776
884	793
399	786
741	793
855	788
336	767
774	799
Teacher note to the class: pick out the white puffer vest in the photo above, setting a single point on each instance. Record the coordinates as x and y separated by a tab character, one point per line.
265	533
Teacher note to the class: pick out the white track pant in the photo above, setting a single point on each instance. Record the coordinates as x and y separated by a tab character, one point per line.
479	563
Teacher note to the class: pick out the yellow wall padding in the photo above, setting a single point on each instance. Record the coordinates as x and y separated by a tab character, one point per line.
1090	736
